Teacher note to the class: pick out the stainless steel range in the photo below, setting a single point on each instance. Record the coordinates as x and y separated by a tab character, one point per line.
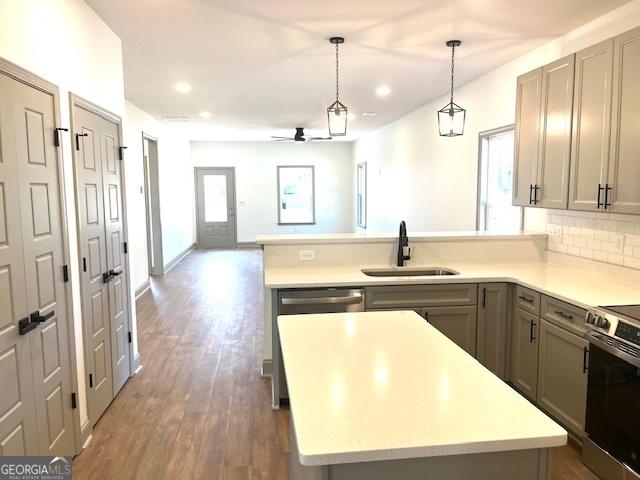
612	449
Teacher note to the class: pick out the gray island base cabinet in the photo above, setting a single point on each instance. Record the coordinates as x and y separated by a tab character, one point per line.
531	464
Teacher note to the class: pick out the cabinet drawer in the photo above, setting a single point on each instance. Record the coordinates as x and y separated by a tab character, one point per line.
563	315
410	296
528	300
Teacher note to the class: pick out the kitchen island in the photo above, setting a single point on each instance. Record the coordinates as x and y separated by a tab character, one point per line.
380	395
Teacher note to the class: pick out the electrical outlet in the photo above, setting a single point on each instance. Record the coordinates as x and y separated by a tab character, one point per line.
307	255
618	239
555	233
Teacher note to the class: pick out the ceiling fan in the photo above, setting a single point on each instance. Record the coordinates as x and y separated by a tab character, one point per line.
299	137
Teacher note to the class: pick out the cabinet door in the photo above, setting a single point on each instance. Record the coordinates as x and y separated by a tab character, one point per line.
555	135
624	166
457	323
591	125
527	136
524	353
562	377
492	327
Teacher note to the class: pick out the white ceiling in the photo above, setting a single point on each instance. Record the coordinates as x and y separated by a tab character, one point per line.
263	67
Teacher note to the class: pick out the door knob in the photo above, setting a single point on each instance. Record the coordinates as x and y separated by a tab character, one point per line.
36	318
25	326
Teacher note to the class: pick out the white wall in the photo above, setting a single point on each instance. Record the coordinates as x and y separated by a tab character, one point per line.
256	183
66	43
176	190
430	181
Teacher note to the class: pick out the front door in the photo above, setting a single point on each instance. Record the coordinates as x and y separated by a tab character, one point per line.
35	366
100	221
216	200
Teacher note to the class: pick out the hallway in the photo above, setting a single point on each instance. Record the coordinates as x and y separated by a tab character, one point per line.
199	408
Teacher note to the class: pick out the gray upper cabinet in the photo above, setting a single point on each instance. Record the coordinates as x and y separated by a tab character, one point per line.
562	376
623	184
527	132
492	327
457	323
591	126
524	352
552	180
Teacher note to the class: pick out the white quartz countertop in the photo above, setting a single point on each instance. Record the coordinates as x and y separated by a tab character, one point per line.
319	238
387	385
582	288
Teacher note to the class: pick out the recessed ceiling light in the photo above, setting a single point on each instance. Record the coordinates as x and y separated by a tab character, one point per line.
182	87
205	115
383	91
369	114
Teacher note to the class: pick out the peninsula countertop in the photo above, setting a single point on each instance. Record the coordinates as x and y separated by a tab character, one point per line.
387	385
582	288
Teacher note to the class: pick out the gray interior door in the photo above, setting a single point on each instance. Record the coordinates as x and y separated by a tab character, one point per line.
32	280
101	231
152	204
93	253
216	210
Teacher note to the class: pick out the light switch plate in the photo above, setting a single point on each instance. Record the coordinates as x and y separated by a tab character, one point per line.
555	233
307	255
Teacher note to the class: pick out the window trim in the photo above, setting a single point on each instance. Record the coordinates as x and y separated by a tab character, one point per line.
361	221
482	136
313	194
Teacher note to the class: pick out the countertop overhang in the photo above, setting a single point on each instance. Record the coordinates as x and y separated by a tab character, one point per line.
378	386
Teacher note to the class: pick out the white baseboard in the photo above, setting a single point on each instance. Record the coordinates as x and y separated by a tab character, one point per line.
178	258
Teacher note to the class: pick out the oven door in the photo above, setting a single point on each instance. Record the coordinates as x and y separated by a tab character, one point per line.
613	402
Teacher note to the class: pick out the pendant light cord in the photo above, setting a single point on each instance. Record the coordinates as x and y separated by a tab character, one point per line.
453	58
337	75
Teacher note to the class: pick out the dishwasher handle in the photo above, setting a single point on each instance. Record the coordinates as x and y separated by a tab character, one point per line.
351	299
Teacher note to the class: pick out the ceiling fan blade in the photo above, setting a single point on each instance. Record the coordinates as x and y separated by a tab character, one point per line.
319	138
283	139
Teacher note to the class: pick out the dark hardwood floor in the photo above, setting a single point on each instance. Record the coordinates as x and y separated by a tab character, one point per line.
199	409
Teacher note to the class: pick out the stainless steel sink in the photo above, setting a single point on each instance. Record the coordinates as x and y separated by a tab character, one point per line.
408	272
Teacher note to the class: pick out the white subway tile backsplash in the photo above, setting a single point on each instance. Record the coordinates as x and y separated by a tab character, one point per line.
603	237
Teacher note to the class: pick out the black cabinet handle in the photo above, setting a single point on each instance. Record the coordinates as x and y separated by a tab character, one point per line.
530	194
563	315
600	196
426	316
484	297
532	338
585	355
36	318
607	189
525	299
25	326
535	194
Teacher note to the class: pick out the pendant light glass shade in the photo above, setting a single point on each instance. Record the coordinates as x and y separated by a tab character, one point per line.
337	116
451	117
337	111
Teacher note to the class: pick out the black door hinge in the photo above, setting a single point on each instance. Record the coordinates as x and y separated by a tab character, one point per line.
56	135
84	264
65	273
73	400
126	248
90	381
121	150
78	135
130	338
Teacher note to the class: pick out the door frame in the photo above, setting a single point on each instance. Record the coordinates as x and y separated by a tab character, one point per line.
26	77
77	101
197	170
159	269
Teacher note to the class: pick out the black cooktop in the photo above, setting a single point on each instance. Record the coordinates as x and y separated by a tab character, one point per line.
631	311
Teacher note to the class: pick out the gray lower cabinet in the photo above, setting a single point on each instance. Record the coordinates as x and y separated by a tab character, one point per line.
491	343
524	352
457	323
562	376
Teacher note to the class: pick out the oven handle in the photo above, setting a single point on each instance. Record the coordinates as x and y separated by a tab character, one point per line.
635	361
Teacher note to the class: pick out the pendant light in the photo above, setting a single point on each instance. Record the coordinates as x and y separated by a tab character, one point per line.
451	116
337	112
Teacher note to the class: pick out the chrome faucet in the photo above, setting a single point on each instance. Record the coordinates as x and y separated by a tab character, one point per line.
403	242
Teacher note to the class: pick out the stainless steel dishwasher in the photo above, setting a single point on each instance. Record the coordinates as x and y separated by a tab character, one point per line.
296	302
